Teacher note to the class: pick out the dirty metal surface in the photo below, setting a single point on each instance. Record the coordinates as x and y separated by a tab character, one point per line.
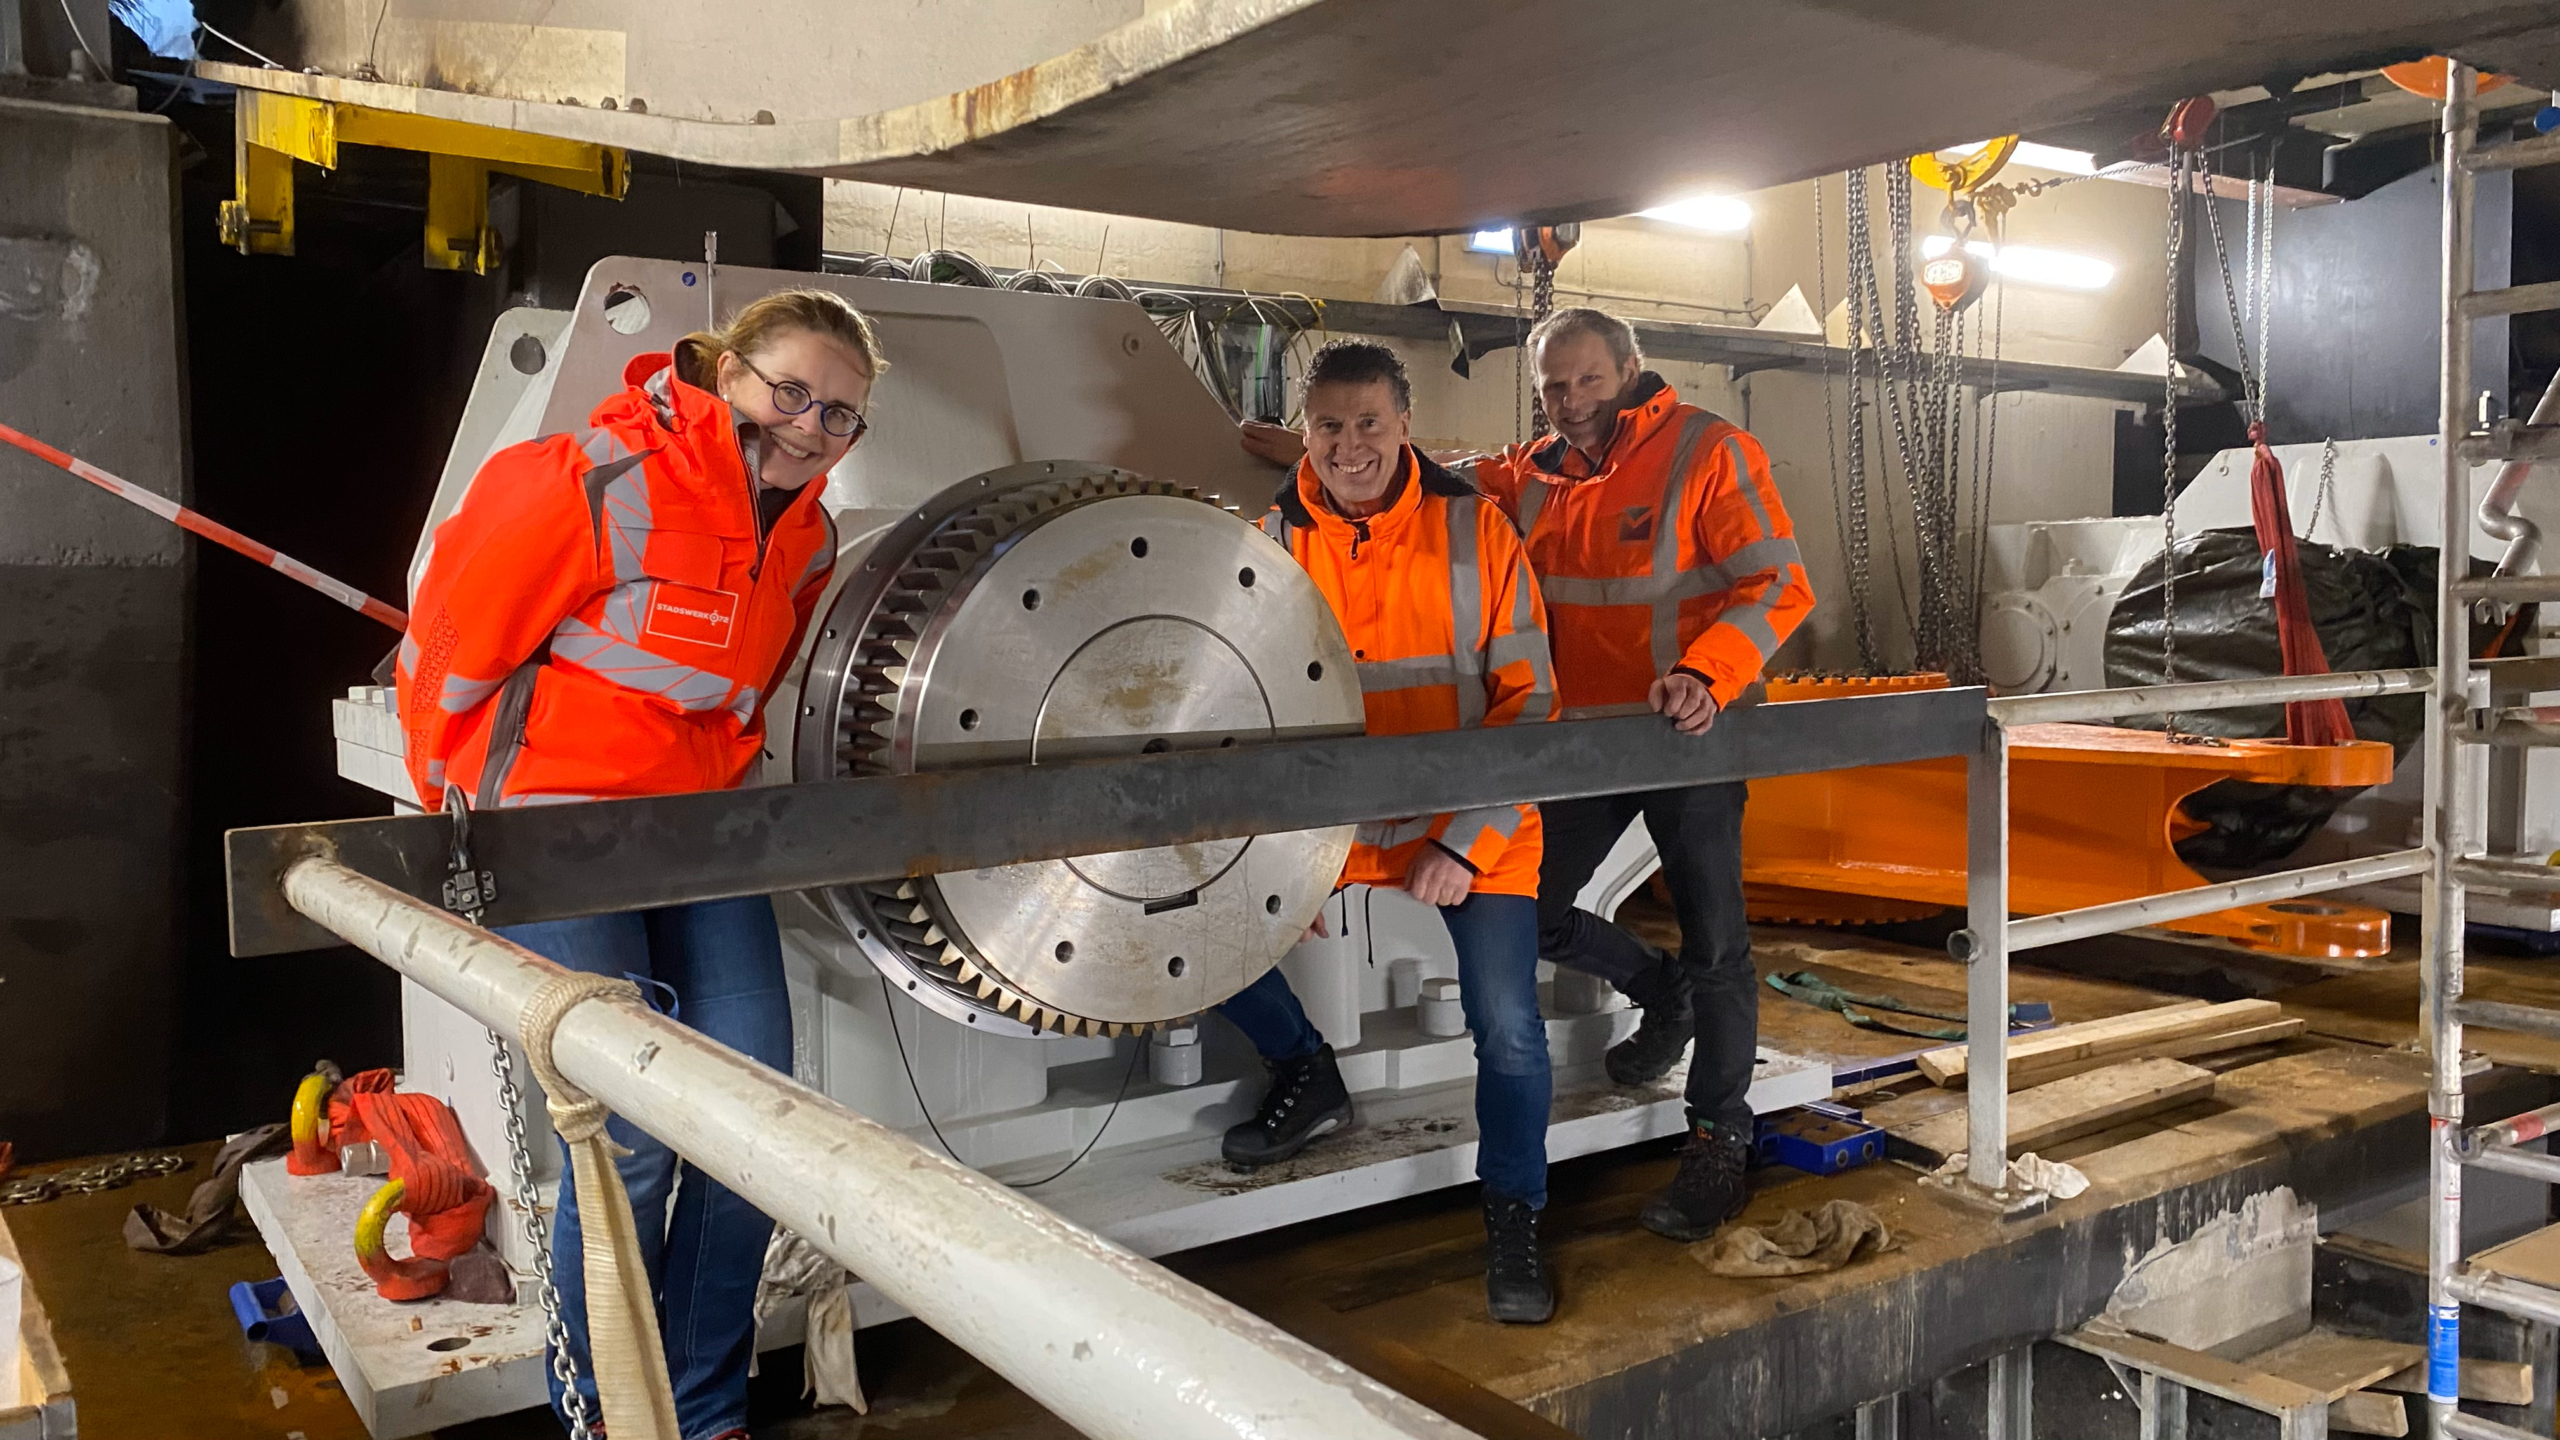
613	855
1341	117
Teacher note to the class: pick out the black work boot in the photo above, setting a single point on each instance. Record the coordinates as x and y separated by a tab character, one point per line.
1710	1188
1517	1289
1306	1100
1662	1035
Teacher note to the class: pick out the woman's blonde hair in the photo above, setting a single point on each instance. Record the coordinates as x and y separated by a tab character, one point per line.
762	321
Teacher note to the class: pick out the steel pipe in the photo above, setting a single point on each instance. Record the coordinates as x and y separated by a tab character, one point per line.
2507	1296
2514	1130
2122	915
2471	1427
1117	1346
2522	875
2498	515
2545	1168
2070	705
2499	1015
2540	150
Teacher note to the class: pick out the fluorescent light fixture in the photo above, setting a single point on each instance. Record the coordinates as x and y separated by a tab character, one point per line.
2043	157
1720	214
1490	242
2028	265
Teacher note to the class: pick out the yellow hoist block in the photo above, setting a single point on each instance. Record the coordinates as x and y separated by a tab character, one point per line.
275	130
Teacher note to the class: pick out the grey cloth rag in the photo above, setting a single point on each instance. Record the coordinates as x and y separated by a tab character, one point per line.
1803	1242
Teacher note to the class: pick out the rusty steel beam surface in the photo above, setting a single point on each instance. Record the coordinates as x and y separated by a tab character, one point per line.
554	861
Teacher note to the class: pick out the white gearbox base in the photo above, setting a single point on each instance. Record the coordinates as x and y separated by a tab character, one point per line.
1154	1183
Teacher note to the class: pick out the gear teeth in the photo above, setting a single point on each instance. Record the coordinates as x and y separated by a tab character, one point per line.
987	989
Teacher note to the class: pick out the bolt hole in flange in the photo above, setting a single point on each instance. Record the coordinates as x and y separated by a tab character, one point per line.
1270	904
1030	599
968	719
1138	547
450	1342
1244	577
1157	746
1174	967
1315	670
626	309
1065	952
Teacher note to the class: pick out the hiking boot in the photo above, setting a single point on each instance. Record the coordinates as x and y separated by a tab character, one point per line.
1517	1289
1306	1100
1662	1034
1710	1188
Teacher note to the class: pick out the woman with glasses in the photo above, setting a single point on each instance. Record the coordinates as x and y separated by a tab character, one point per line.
605	616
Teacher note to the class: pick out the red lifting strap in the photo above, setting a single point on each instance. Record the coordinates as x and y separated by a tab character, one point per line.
448	1202
2306	722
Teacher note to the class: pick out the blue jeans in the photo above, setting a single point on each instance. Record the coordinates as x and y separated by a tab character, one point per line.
723	961
1497	941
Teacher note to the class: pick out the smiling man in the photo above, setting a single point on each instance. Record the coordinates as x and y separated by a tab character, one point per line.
1443	617
1659	538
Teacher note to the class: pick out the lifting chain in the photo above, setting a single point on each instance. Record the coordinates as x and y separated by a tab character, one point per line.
91	1178
1849	499
2321	497
468	893
1869	335
2179	166
1542	303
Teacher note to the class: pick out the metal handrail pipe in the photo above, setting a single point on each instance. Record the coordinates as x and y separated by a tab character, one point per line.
2462	1425
1115	1345
2514	1130
2545	1168
2120	915
2499	1015
2523	875
2510	589
2201	695
2507	1297
2540	150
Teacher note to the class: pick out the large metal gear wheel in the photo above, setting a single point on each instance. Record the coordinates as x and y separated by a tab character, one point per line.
1059	611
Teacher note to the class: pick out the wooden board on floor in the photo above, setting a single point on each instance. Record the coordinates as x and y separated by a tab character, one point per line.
2187	1048
2368	1413
2534	1258
2079	1105
2336	1364
2494	1382
2380	1007
2115	1035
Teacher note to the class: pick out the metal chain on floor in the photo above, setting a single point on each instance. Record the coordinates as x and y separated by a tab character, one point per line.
468	893
90	1178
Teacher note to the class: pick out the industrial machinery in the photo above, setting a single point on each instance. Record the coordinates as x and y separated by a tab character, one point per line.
1041	560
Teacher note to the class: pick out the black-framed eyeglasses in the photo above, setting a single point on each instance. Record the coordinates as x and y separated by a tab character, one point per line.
793	398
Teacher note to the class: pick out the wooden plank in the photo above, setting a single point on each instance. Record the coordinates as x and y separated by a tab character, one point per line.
2495	1382
2533	1258
2366	1413
2079	1105
2235	1381
2114	1035
2336	1364
2186	1048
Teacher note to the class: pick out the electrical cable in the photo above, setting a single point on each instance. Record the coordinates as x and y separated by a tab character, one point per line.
1131	1074
236	45
104	71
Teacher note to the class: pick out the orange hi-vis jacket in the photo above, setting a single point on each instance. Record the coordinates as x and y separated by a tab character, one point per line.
599	618
1445	624
1675	554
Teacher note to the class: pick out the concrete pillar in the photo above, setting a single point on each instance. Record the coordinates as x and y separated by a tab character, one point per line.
93	634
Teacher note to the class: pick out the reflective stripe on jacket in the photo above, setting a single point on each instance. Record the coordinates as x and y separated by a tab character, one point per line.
1674	554
599	619
1435	595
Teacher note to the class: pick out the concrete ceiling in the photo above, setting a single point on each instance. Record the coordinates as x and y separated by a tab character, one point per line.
1356	117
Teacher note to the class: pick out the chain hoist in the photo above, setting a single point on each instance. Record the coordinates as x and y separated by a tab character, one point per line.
467	892
1538	249
1849	498
2183	132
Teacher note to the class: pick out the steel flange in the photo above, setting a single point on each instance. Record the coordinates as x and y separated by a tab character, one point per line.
1060	611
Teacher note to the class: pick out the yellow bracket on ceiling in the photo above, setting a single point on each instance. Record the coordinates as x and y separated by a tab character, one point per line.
275	130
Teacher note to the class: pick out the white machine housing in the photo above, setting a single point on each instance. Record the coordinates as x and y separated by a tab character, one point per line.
979	379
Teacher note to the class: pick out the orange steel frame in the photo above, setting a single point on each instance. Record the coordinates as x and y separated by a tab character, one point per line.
2093	818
